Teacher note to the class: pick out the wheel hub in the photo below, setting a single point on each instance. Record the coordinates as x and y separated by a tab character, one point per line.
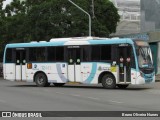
40	80
109	81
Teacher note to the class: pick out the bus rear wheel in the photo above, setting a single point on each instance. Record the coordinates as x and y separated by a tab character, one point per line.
122	86
108	81
41	80
58	84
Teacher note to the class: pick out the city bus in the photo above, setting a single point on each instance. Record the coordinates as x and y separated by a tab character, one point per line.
112	62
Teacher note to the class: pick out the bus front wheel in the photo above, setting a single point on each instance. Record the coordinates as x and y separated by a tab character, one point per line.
41	80
108	81
122	86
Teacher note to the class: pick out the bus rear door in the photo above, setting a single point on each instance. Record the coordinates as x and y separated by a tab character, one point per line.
20	64
74	64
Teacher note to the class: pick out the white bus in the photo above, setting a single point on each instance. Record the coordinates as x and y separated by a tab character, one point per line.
112	62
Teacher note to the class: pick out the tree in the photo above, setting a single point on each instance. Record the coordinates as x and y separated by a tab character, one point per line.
12	23
59	18
45	19
1	29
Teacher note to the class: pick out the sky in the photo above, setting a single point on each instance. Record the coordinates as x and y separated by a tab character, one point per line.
6	2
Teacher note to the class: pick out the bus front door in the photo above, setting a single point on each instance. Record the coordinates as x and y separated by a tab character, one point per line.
124	64
74	65
20	65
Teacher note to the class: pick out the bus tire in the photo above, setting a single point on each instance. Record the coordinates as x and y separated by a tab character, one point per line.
108	81
122	86
58	84
41	80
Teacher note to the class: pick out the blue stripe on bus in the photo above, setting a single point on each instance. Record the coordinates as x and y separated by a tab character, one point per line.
92	74
59	70
37	44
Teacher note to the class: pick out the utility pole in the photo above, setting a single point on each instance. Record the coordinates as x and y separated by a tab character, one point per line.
93	15
85	13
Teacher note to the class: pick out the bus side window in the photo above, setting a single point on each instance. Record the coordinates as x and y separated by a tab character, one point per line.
96	53
40	54
32	54
37	54
106	51
59	53
86	53
9	55
114	53
51	55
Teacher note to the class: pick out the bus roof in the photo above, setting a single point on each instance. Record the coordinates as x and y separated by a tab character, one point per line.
73	41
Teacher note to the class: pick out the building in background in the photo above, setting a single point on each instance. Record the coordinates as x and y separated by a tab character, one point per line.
129	11
150	23
150	15
141	19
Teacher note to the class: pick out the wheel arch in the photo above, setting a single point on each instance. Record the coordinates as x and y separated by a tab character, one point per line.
104	73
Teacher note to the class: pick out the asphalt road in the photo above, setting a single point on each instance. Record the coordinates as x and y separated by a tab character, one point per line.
22	96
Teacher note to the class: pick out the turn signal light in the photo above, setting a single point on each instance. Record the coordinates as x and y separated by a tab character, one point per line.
29	65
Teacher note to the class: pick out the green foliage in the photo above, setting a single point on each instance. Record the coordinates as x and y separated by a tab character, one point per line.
36	20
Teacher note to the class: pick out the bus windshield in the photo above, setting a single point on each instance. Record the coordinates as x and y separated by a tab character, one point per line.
144	55
144	58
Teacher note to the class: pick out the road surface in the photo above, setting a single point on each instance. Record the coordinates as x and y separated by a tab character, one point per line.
22	96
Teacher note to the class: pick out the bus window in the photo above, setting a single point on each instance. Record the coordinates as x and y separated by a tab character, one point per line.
96	53
86	53
32	54
37	54
40	54
101	53
59	53
51	54
106	52
9	55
